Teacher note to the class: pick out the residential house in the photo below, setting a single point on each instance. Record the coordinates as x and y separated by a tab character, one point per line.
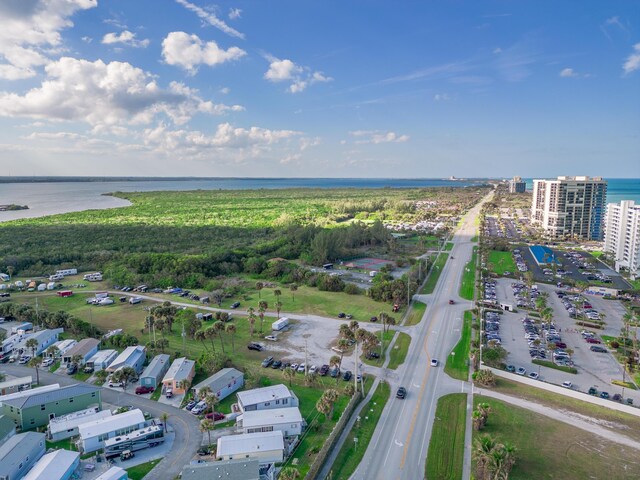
133	357
27	392
85	349
16	385
179	374
115	473
275	396
155	371
35	410
19	454
266	447
243	469
7	428
66	426
102	359
94	433
45	339
223	383
63	346
287	420
57	465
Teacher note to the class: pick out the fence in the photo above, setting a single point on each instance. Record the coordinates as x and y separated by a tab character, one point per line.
333	436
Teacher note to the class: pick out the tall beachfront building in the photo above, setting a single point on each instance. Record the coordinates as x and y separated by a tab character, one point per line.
570	207
517	185
622	235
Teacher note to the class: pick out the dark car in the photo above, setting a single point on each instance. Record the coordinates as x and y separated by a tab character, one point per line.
347	376
267	361
401	393
255	346
593	391
190	405
451	302
604	395
373	319
561	345
342	315
593	340
277	364
335	371
598	349
71	369
215	416
372	355
324	369
511	368
235	305
202	451
142	389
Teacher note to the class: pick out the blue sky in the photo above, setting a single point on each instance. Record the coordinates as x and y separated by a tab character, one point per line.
320	88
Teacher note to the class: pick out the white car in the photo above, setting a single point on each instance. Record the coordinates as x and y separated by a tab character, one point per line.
47	362
567	384
115	384
313	369
301	368
273	338
434	362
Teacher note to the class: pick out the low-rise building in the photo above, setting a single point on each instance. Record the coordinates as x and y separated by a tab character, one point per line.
223	383
243	469
275	396
27	392
66	426
7	428
287	420
35	410
102	359
133	357
45	339
179	375
63	347
155	371
19	454
94	433
266	447
16	385
84	349
115	473
57	465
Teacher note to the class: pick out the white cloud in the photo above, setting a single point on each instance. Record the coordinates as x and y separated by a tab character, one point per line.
568	73
225	90
441	97
188	51
497	50
287	71
87	39
234	13
30	29
211	19
126	38
633	61
376	137
99	93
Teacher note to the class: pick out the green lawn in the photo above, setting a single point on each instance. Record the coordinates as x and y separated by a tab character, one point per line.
156	394
550	449
351	453
431	282
446	448
386	337
139	471
448	246
399	351
467	285
417	311
474	238
502	262
457	365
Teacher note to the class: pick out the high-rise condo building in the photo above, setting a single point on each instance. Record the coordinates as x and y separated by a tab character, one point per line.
570	207
517	185
622	235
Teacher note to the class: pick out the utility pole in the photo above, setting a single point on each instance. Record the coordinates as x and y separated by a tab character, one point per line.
306	360
184	338
355	377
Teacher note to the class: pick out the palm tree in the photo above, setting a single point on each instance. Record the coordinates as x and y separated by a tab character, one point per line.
35	363
52	351
278	305
330	397
262	309
207	425
76	359
164	416
252	319
293	287
211	333
482	451
476	418
220	328
343	344
259	287
231	330
212	400
289	374
201	336
204	391
484	409
101	375
32	344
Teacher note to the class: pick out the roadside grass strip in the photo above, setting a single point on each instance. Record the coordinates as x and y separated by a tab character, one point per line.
446	448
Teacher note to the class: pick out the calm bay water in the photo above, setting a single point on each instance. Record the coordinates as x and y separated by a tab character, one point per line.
60	197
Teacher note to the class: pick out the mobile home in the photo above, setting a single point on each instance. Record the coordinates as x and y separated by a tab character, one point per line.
280	324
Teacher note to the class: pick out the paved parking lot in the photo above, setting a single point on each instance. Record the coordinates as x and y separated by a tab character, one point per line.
594	369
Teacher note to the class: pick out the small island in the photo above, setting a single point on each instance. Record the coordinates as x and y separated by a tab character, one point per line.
11	207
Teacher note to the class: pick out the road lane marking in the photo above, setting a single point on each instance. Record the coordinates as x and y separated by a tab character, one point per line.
400	444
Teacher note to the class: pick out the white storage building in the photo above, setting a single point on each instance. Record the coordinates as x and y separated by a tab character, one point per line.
114	473
266	447
223	383
85	348
102	359
57	465
155	371
133	357
63	346
66	426
275	396
93	434
287	420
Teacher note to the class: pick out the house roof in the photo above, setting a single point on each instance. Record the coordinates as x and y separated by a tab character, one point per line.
61	393
41	337
26	393
114	473
179	370
13	450
110	424
83	347
220	379
274	416
250	443
53	465
28	380
73	420
129	356
243	469
104	355
264	394
155	367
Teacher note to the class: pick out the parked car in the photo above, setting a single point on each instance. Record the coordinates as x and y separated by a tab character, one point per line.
88	369
276	364
199	408
451	302
25	359
126	455
401	393
604	395
511	368
521	371
313	369
273	338
215	416
342	315
143	389
168	393
255	346
71	369
598	349
267	361
347	375
593	391
533	375
235	305
567	384
113	384
47	362
434	362
189	406
301	368
335	371
324	369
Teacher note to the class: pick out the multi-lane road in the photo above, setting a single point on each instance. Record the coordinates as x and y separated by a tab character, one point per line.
398	448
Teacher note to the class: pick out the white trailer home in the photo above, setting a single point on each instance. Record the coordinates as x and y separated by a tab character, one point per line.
280	324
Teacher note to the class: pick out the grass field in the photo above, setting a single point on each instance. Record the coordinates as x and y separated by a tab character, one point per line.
457	365
467	285
435	273
139	471
501	262
417	311
550	449
446	448
612	419
399	351
448	246
386	338
351	453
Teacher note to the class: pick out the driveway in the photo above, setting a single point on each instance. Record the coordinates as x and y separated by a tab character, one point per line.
186	427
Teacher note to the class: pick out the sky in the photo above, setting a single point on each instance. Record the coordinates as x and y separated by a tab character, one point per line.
320	88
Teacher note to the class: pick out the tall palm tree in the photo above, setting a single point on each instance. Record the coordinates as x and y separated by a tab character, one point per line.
231	330
207	425
164	416
52	351
220	328
289	374
35	363
262	309
259	287
278	305
251	319
32	344
204	391
211	333
294	288
201	336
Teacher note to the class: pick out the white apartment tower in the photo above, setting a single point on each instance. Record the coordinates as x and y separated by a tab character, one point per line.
622	235
570	206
